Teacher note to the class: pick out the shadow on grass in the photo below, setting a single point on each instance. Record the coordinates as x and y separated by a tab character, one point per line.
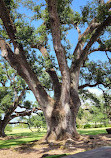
54	156
42	149
20	138
27	140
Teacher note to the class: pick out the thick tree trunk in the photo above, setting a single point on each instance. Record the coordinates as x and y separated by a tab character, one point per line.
61	125
61	121
3	124
2	132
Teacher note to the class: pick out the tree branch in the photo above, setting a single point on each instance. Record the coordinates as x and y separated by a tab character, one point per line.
90	29
7	52
50	71
18	62
56	83
21	123
108	56
81	42
94	37
87	85
93	85
56	35
16	102
100	42
100	49
24	113
17	122
78	29
8	23
35	108
3	83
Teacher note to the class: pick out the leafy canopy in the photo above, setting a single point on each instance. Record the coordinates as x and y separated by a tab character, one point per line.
29	35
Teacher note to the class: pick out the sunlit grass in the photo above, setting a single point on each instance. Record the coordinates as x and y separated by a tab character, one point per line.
92	131
24	136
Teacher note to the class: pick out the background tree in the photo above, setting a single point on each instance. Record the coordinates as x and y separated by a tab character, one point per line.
102	113
62	67
107	103
12	96
95	110
37	121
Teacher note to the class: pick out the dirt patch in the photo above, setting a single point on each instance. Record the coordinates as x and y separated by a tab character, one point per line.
40	149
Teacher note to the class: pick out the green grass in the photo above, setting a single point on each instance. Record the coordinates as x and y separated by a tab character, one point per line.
92	131
26	136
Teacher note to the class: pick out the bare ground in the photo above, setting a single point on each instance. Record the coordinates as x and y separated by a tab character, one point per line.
39	149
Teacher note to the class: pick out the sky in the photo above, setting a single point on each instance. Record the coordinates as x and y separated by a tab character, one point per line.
73	37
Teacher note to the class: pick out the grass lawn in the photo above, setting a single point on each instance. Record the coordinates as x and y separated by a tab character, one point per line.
92	131
23	136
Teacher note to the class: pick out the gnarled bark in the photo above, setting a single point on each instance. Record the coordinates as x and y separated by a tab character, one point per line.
61	122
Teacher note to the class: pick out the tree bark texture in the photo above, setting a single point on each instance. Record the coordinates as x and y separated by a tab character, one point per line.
2	132
61	120
3	124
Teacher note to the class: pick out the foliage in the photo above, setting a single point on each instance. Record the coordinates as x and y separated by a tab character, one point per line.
28	36
94	9
9	83
87	126
96	72
93	114
11	97
10	4
37	121
8	128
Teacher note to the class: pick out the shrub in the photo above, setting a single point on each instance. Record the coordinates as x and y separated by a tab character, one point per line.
79	126
87	126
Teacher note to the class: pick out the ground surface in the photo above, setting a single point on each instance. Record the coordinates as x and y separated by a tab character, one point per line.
102	152
39	149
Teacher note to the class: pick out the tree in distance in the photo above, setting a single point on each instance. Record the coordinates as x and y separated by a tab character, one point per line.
96	112
37	121
43	56
12	95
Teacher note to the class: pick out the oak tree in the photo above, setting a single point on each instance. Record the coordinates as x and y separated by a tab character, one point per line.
19	42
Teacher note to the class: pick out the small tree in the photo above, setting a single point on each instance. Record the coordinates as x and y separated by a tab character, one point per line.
12	95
